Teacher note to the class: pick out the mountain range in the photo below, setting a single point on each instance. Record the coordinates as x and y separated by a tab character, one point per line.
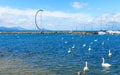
11	28
19	29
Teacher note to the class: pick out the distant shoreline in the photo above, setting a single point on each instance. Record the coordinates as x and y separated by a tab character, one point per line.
54	32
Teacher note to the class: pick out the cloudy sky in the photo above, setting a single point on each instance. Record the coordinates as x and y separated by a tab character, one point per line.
61	14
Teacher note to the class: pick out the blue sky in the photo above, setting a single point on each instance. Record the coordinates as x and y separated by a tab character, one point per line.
61	14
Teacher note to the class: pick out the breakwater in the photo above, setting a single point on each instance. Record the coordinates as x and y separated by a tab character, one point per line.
53	32
59	32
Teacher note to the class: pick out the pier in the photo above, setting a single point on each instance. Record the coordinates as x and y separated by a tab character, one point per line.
57	32
51	32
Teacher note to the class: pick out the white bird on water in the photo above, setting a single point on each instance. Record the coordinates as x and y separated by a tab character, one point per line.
89	48
73	46
109	54
95	40
86	67
84	45
69	51
105	64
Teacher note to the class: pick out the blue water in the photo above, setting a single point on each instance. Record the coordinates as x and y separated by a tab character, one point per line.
49	52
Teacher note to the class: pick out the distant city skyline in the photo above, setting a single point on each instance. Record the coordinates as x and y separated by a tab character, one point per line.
61	14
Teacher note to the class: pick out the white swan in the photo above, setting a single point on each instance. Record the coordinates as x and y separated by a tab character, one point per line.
69	51
89	48
109	54
73	46
86	67
84	45
105	64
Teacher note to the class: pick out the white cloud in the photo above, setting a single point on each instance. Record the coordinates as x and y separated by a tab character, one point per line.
54	20
78	5
11	17
105	18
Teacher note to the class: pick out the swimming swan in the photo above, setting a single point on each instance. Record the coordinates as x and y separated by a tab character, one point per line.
105	64
69	51
109	54
86	67
73	46
89	48
84	45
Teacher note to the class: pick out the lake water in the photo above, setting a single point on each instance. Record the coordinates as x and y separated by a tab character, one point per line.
47	54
